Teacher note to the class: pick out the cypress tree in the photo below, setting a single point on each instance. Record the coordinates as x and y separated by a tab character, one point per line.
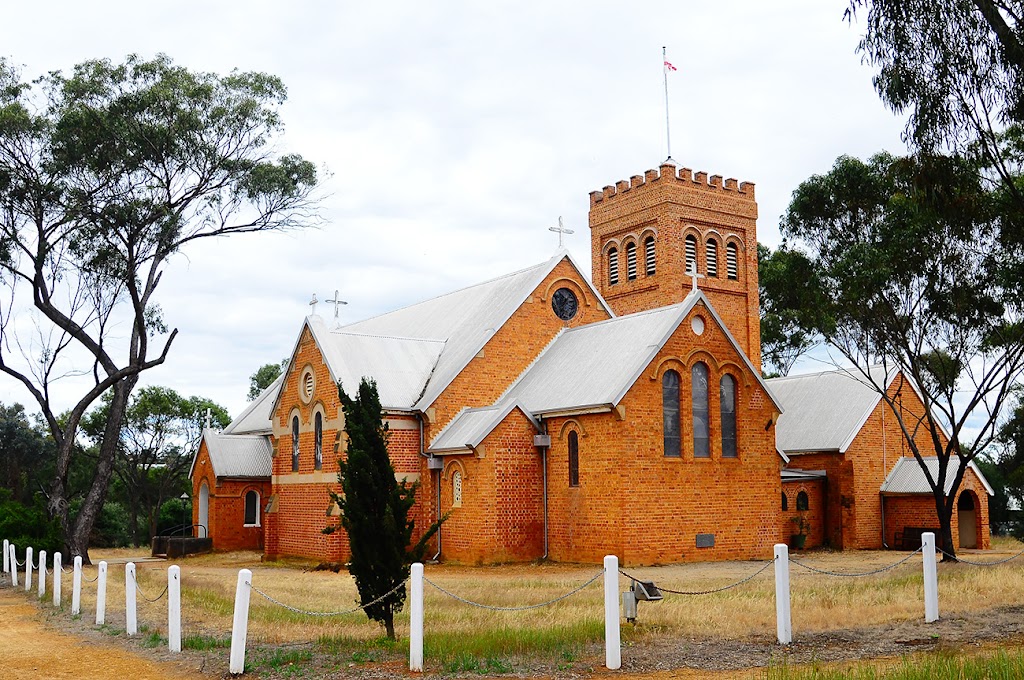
375	509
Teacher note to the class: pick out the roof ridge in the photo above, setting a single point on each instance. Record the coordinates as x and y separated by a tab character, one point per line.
839	370
342	331
512	385
634	315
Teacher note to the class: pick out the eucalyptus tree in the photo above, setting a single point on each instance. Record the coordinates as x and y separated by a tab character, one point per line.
106	174
913	264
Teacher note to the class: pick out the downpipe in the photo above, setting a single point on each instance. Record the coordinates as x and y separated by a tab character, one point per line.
437	486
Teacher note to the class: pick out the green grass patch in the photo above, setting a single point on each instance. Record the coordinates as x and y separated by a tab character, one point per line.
467	663
556	643
939	666
153	639
205	642
362	651
279	659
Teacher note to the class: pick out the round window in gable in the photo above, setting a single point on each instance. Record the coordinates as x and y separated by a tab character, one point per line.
697	325
308	384
564	304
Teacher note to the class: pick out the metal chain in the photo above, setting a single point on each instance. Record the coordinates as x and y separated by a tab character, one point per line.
90	580
515	609
65	569
856	574
705	592
20	564
139	589
337	613
981	564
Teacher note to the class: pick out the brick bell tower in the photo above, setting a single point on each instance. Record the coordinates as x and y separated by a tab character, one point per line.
648	232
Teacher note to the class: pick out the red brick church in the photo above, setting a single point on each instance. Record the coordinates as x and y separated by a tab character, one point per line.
557	417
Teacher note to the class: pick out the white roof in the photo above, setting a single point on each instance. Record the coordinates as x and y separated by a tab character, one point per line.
907	476
824	411
471	426
256	418
237	455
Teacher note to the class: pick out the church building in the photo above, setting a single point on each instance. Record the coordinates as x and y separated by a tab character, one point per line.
554	416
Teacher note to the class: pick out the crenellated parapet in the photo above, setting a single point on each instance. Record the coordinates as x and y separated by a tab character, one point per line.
682	177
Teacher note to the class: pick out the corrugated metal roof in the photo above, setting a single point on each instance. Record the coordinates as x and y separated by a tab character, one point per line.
472	425
400	366
907	476
593	365
256	418
795	475
823	411
235	455
465	319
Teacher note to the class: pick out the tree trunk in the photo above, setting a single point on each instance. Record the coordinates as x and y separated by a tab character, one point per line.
389	625
944	509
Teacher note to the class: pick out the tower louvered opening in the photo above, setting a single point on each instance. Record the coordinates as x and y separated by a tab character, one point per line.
732	261
712	257
631	261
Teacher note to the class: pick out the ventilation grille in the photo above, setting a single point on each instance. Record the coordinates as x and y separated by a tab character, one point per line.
631	261
731	261
691	254
613	267
649	255
712	258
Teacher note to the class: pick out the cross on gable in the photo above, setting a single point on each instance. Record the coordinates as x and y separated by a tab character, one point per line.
692	273
336	302
561	231
312	304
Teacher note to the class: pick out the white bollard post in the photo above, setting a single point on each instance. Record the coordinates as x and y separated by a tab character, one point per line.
416	618
131	621
612	651
101	594
240	627
931	578
76	587
28	569
783	611
174	608
14	566
42	574
57	571
7	556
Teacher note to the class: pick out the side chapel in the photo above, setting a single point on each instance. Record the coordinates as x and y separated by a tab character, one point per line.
557	417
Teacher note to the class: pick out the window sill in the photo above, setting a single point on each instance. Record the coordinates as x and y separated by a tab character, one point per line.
250	526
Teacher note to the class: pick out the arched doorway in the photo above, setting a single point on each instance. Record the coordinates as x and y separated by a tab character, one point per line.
967	518
204	511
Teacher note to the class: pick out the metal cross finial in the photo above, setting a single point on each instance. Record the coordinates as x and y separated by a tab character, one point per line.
336	301
692	273
312	303
561	230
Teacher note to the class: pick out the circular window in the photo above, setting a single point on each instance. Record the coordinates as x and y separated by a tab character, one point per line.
697	324
564	304
308	383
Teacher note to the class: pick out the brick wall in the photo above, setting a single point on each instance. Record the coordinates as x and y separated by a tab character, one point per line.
671	204
919	511
814	515
226	510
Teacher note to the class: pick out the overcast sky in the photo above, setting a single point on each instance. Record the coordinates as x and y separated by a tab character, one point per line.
456	133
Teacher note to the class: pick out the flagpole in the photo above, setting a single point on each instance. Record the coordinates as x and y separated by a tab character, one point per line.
664	73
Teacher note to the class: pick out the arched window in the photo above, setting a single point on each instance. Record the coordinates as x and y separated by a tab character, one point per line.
699	393
613	266
295	444
785	501
574	459
732	260
727	400
318	433
691	254
649	256
252	509
631	261
712	257
456	489
802	502
670	412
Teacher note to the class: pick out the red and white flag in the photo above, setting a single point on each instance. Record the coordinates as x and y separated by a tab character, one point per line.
670	67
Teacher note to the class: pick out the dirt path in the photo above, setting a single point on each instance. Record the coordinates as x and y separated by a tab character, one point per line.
29	648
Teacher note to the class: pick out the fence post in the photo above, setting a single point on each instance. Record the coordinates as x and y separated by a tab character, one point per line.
42	574
416	618
28	568
14	566
101	594
612	651
174	608
783	611
240	626
76	587
57	580
7	556
131	621
931	579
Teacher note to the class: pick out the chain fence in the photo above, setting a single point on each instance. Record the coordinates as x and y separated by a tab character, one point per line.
306	612
993	563
138	589
514	609
857	574
706	592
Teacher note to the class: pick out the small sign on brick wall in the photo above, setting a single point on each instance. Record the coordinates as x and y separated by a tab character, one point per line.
705	540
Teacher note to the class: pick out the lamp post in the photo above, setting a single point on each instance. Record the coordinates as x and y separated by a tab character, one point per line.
184	521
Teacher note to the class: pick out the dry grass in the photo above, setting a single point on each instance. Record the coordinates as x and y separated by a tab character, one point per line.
820	602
